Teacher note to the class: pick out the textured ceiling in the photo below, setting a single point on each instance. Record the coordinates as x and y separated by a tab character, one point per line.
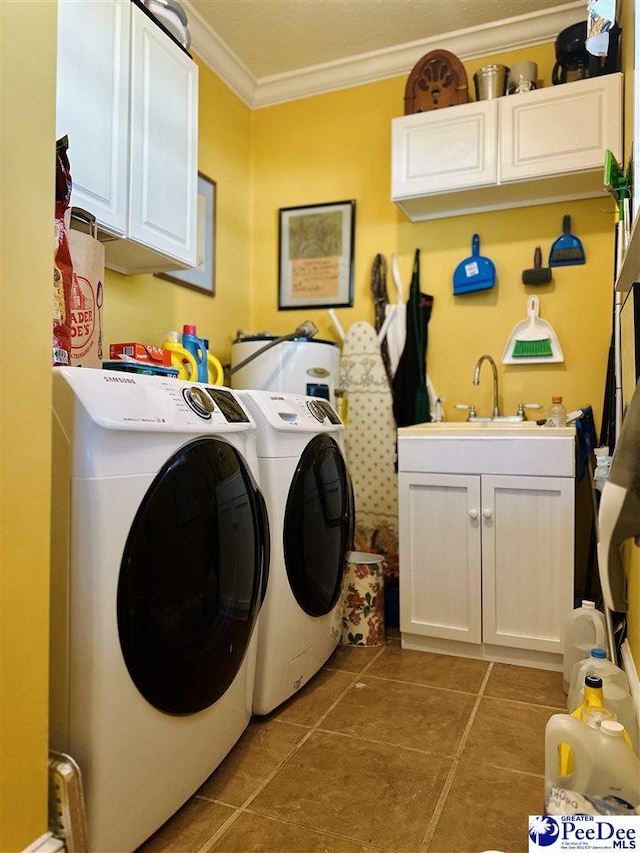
272	37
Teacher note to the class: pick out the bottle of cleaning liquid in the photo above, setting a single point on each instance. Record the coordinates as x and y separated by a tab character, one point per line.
584	629
616	696
591	712
342	405
557	415
180	357
215	371
603	765
195	345
592	707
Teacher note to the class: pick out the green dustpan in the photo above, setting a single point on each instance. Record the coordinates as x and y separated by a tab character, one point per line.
474	273
567	250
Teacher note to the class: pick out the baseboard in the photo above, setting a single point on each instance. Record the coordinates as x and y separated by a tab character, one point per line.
629	666
483	651
45	844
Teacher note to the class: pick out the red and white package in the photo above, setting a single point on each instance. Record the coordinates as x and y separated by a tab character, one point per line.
62	266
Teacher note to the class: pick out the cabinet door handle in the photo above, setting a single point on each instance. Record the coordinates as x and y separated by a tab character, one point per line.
487	513
473	513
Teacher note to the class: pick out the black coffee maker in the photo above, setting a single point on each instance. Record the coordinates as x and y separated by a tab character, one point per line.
573	60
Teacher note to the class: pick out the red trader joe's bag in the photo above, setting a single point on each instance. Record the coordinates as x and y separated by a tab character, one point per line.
62	267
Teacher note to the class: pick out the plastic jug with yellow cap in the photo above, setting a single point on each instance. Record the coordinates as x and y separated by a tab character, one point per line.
215	372
192	358
180	357
602	767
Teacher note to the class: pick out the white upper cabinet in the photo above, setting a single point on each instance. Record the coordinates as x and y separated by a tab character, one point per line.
128	100
455	149
93	105
560	130
537	147
163	142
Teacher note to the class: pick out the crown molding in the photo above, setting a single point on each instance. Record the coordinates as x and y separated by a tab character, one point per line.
514	33
220	58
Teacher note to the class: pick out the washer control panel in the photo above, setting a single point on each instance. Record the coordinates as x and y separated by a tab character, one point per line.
316	410
205	400
199	401
292	412
126	401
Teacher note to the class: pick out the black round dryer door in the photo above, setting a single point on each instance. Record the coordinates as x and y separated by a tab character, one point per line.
192	577
318	526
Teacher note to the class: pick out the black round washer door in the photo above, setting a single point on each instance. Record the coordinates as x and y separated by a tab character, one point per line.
191	576
317	526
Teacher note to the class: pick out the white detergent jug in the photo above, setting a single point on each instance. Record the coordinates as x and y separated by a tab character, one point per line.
603	765
584	629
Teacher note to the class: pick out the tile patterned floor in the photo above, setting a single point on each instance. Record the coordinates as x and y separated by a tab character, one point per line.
385	750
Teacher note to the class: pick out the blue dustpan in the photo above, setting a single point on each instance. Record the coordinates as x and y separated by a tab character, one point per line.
474	273
567	250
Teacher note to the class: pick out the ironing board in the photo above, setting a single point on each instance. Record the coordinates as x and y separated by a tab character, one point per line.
370	440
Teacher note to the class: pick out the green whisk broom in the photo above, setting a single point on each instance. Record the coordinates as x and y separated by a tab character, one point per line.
532	340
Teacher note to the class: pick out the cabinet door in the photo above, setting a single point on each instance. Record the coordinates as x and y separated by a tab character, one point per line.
163	143
561	130
527	560
440	593
93	103
451	148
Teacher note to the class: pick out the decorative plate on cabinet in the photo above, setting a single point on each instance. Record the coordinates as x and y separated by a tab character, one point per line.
437	80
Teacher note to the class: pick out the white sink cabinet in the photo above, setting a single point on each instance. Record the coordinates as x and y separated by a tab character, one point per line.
486	541
127	97
536	147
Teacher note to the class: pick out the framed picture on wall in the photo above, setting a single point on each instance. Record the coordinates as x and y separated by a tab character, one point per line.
316	255
203	276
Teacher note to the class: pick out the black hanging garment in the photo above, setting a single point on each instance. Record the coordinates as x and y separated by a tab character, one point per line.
410	396
380	301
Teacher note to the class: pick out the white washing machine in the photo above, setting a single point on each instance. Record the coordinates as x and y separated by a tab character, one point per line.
159	561
306	486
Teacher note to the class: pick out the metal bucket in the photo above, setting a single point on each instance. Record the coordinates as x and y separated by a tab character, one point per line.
491	82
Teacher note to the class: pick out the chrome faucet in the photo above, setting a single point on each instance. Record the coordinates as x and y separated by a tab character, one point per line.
476	380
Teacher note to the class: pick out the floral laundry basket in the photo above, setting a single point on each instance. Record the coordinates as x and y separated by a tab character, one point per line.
363	600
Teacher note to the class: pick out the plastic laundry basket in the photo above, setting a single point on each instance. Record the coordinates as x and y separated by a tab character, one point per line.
363	600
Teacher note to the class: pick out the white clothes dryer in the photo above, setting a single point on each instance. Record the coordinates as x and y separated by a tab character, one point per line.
159	561
306	486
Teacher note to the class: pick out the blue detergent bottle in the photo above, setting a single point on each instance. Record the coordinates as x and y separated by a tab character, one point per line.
197	348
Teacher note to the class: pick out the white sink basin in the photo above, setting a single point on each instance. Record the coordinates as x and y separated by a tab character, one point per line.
474	429
486	447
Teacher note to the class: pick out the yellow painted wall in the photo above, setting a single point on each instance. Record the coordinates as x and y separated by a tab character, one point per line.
26	249
337	146
144	307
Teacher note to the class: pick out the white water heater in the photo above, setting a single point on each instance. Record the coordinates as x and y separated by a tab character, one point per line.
299	366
